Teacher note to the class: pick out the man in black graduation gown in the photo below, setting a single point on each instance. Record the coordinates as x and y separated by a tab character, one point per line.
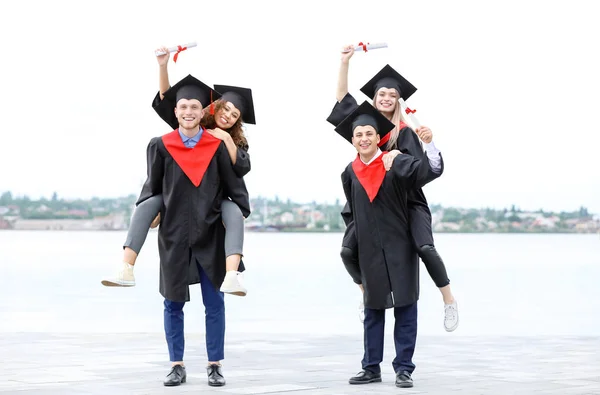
193	172
377	219
420	214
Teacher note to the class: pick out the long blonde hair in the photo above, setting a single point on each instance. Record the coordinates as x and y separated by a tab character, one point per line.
397	119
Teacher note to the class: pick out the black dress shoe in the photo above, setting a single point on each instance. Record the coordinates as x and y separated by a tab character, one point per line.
365	377
176	376
403	379
215	375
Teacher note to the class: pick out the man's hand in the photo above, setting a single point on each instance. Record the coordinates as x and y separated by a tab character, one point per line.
163	59
219	133
424	134
156	221
388	159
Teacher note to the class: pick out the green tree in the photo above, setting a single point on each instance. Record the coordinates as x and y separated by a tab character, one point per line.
471	216
451	215
335	225
6	198
514	218
320	224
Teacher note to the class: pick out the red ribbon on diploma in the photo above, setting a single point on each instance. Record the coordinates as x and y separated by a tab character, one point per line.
179	49
363	45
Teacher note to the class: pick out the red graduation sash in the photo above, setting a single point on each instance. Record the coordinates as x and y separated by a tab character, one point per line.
386	138
370	176
193	161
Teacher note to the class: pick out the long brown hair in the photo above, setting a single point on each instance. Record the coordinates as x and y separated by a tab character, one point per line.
236	131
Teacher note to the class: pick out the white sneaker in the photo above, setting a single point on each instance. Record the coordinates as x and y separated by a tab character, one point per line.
450	316
361	311
233	284
123	278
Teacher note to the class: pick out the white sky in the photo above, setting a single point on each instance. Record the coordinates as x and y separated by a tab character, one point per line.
509	89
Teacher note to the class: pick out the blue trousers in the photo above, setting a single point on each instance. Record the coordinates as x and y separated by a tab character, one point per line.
214	310
405	338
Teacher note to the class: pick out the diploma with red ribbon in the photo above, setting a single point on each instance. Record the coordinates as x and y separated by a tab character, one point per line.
367	46
176	49
409	115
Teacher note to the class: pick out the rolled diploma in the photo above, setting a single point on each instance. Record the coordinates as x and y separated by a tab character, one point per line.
410	117
369	47
174	49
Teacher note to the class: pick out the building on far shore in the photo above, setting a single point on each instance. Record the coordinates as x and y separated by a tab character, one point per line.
108	222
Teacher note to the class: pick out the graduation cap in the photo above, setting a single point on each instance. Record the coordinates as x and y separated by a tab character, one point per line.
389	78
364	115
241	98
192	88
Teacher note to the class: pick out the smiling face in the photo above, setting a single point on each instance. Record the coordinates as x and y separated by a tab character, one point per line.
365	140
386	100
227	116
188	113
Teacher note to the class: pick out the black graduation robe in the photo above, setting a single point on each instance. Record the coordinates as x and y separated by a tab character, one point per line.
408	143
191	228
387	263
420	215
164	109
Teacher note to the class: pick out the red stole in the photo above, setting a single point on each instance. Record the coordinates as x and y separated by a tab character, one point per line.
193	161
386	138
370	176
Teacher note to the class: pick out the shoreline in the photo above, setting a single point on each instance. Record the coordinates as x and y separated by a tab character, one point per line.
565	232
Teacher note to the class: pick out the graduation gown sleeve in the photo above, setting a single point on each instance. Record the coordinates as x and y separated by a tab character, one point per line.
242	162
408	143
350	241
347	210
346	214
342	109
411	172
164	109
155	168
233	186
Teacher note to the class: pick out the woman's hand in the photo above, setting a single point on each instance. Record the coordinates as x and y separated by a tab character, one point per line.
219	133
163	59
346	56
424	134
156	221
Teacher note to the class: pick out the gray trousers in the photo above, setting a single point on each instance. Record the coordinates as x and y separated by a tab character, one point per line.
146	211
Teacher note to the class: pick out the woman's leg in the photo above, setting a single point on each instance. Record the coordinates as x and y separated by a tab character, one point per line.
234	243
437	270
420	226
143	215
